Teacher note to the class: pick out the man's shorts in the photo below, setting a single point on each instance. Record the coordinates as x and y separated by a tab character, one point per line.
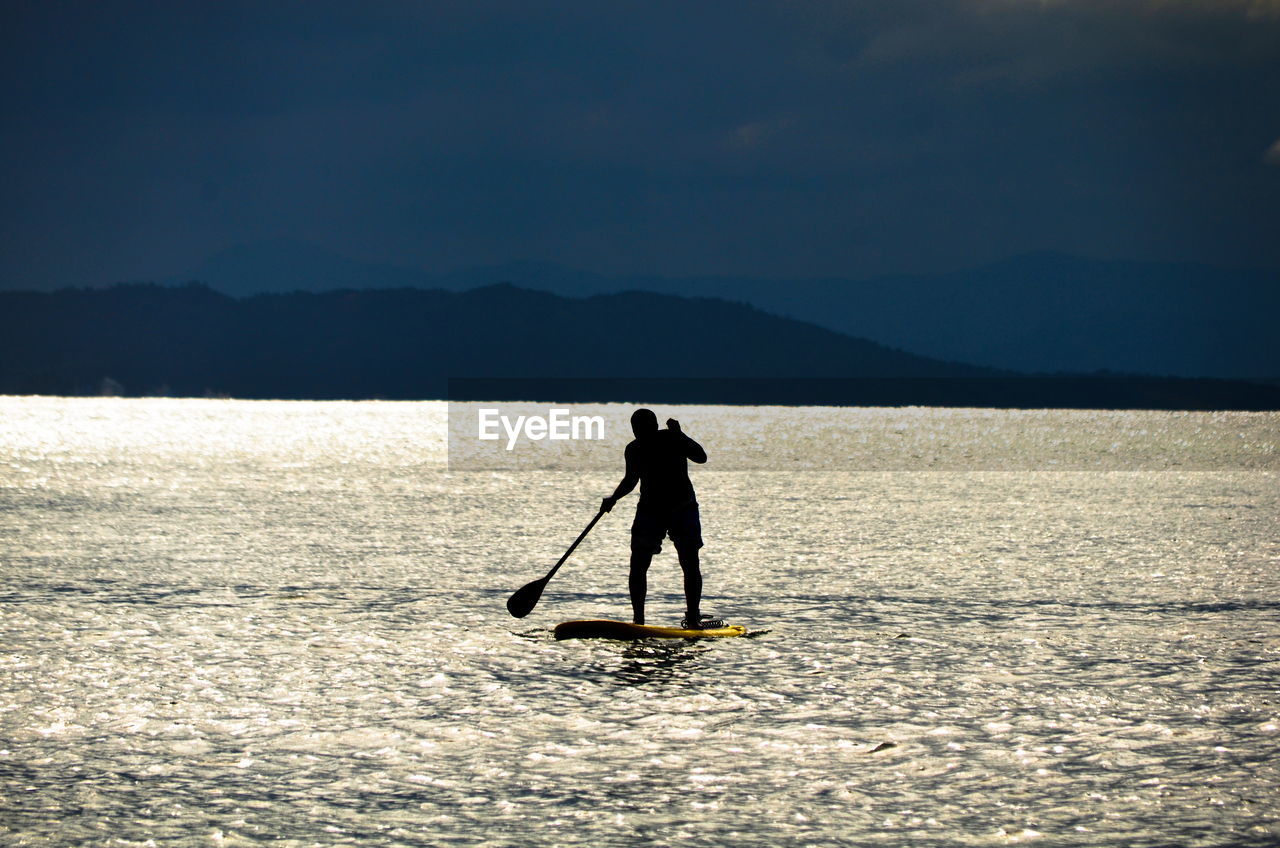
652	525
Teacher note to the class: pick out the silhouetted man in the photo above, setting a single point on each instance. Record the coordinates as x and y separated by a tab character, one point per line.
658	461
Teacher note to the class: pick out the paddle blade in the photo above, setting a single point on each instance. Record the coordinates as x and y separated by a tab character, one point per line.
524	599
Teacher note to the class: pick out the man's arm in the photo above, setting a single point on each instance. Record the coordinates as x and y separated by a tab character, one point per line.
629	481
692	450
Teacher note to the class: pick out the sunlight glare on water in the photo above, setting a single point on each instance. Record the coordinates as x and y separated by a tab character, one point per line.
230	622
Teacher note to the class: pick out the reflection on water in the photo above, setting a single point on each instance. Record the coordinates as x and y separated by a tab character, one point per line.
229	623
655	661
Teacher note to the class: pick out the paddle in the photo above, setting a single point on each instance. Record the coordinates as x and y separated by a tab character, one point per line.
524	599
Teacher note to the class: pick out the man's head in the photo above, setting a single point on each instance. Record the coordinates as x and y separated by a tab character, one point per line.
644	422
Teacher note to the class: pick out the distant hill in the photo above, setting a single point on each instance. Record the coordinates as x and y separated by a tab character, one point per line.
280	266
1044	312
404	343
1052	313
408	343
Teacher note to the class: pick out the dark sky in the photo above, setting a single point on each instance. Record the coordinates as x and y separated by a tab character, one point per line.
763	138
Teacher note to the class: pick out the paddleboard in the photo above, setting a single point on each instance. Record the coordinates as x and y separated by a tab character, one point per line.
603	629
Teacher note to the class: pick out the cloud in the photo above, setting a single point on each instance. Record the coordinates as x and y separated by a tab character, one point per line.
1025	43
755	135
1249	9
588	133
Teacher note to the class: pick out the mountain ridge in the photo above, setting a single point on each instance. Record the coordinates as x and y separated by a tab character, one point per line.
504	342
1042	312
406	342
1039	312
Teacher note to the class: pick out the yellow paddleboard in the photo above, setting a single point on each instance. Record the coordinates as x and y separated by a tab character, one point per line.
603	629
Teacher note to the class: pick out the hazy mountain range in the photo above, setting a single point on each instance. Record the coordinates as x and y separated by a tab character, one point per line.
1043	312
409	343
404	343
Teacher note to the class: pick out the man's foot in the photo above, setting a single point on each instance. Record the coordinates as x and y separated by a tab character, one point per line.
704	622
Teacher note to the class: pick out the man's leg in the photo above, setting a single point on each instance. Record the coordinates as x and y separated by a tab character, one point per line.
686	534
692	582
638	583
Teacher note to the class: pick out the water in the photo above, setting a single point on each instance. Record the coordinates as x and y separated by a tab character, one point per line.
229	623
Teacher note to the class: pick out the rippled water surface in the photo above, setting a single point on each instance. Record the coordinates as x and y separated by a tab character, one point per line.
229	622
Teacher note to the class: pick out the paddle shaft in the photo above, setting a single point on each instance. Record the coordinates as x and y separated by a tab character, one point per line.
581	536
526	597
